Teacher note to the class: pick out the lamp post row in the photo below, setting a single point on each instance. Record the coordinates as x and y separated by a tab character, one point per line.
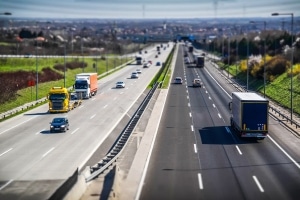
264	72
292	58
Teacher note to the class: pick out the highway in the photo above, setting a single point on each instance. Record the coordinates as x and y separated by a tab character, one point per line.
196	155
34	162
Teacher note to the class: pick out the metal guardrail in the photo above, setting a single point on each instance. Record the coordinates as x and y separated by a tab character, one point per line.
22	108
116	150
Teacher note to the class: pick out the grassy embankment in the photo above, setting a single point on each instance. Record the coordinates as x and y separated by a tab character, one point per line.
278	89
29	64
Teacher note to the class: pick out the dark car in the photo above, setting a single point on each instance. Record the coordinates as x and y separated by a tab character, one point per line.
59	124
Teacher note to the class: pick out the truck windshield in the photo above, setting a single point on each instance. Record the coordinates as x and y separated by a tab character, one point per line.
81	85
57	96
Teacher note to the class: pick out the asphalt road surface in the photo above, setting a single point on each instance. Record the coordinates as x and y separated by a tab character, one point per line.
197	156
35	162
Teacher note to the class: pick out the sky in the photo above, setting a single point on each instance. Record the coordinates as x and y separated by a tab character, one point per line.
147	9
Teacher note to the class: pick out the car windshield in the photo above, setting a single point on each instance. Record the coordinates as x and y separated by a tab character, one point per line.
58	120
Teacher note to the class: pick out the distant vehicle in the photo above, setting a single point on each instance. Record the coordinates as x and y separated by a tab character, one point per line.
158	63
59	124
87	84
196	82
200	61
146	65
178	80
158	48
120	84
191	48
139	71
185	54
187	60
158	52
156	56
146	51
134	75
27	55
249	114
139	60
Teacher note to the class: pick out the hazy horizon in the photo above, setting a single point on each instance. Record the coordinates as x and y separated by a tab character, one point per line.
147	9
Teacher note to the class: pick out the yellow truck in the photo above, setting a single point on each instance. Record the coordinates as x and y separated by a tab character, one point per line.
60	100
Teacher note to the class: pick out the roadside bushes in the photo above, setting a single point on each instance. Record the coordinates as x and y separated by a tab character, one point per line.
70	65
11	82
274	66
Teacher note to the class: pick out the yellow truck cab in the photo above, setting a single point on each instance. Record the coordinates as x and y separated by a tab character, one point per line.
59	100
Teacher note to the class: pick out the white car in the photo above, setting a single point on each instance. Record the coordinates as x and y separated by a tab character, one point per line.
120	84
146	65
178	80
134	75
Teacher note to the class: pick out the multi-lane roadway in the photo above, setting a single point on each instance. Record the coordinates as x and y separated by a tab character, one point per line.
196	155
34	162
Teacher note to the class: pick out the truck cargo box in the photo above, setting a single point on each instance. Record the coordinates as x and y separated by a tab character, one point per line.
249	114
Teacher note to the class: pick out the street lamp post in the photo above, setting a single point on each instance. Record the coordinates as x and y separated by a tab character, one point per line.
65	65
292	57
37	73
247	60
228	55
264	73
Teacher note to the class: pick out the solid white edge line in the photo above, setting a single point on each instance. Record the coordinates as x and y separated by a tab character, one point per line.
200	181
40	131
6	152
217	83
6	184
45	154
150	152
195	148
92	116
238	149
258	184
18	124
75	131
290	157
